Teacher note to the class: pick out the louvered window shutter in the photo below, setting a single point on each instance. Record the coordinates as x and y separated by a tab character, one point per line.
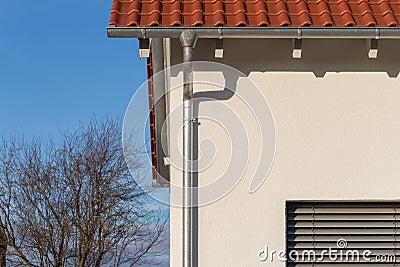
367	229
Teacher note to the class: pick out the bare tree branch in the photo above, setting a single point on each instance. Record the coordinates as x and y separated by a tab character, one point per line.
75	204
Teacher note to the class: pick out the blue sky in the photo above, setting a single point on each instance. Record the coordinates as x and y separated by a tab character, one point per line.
58	68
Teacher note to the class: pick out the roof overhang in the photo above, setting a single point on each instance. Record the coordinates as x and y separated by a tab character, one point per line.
258	32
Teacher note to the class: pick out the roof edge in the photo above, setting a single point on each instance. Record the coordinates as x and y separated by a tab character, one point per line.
258	32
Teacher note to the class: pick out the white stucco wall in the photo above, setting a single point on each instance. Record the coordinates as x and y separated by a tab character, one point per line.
337	138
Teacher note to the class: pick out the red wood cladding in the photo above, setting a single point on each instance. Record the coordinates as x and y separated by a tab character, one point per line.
152	117
262	13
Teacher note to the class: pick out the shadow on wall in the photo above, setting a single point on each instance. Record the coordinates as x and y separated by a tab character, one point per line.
319	56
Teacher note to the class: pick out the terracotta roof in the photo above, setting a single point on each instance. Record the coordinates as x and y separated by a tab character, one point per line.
255	13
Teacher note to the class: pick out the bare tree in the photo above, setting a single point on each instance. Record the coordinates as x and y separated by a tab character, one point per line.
3	246
76	204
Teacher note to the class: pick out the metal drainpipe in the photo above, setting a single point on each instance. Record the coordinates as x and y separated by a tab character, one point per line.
188	40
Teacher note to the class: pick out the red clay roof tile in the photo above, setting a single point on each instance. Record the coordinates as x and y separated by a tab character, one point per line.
319	13
383	13
255	13
298	12
395	6
171	13
235	13
362	13
277	13
192	14
341	13
214	13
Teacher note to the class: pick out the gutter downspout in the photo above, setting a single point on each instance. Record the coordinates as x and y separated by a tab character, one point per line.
188	41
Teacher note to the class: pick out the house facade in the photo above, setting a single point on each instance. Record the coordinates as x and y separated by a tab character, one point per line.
337	124
334	182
